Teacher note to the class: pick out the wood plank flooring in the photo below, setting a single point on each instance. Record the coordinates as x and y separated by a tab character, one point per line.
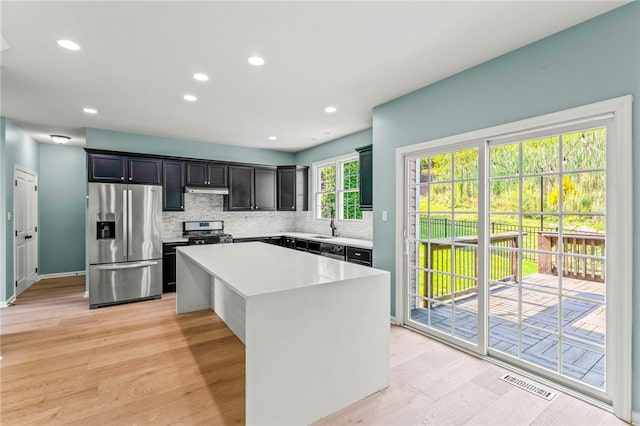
142	364
130	364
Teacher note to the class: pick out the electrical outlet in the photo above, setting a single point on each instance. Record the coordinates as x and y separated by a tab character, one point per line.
384	215
8	215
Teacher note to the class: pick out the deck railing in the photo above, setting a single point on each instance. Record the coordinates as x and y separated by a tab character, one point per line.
464	278
582	255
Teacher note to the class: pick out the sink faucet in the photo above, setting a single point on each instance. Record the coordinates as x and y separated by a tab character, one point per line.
332	225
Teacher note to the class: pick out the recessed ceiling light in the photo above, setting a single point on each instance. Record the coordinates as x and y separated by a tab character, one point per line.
273	138
68	44
200	76
330	109
59	139
90	110
256	60
190	98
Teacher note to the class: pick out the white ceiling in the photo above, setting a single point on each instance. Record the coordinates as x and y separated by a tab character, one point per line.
137	59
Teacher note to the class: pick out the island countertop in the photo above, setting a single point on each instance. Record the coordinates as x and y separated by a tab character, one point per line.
255	268
315	329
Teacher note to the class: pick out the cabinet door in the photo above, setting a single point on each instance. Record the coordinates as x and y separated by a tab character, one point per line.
265	189
287	189
172	185
302	188
240	188
366	177
197	173
145	170
217	174
107	168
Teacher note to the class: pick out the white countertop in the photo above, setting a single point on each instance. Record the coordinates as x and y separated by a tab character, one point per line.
175	240
352	242
255	268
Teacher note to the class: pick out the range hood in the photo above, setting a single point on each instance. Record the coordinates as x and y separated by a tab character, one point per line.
205	190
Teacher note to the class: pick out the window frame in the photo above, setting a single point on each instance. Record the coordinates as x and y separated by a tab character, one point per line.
339	187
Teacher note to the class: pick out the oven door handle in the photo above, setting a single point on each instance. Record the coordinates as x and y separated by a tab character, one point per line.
114	267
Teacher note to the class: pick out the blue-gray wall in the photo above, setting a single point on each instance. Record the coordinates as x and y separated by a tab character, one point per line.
593	61
62	188
20	150
3	212
146	144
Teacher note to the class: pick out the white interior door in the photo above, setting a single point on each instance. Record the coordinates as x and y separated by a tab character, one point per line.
25	223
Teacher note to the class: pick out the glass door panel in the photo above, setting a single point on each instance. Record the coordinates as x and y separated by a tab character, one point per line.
546	253
443	195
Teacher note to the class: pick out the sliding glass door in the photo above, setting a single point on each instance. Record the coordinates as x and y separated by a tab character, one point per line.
505	250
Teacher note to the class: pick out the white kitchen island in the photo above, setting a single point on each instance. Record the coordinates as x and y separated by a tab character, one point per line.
315	329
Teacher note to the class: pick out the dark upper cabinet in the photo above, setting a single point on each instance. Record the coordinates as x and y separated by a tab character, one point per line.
240	188
292	188
124	169
264	189
366	177
203	173
107	168
173	180
144	170
251	188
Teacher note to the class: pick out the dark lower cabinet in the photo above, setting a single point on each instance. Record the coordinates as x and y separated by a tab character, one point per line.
169	266
173	185
366	177
360	256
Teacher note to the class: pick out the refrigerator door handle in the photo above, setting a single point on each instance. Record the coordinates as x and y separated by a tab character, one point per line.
114	267
129	220
125	221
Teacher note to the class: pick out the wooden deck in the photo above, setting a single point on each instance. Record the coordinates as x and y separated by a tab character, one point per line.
583	324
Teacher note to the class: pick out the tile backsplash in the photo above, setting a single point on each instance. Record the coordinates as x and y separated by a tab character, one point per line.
210	207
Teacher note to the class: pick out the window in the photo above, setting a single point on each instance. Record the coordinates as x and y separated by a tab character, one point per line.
338	180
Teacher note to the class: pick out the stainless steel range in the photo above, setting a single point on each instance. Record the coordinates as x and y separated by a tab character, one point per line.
205	232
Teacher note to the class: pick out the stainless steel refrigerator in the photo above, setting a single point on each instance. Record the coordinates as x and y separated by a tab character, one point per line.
125	243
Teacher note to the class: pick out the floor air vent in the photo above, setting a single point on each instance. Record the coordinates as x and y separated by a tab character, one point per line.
532	387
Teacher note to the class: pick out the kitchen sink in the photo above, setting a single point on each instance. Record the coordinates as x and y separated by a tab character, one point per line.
322	237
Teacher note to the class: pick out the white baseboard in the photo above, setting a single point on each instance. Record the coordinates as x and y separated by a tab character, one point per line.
62	274
635	418
393	320
6	304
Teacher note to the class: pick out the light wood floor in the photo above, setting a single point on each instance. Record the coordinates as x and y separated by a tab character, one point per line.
141	364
